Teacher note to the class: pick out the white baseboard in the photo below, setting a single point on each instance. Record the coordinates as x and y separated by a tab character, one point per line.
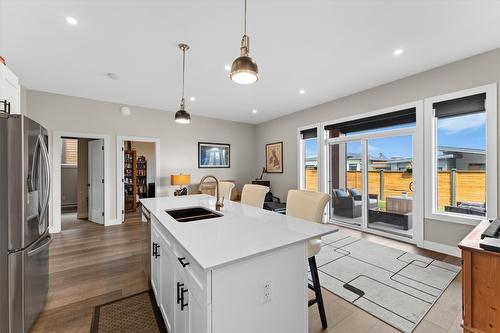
442	248
112	222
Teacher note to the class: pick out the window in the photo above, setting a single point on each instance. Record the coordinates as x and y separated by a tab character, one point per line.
308	155
461	144
69	156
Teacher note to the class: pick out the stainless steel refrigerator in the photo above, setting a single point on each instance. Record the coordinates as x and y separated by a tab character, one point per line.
24	211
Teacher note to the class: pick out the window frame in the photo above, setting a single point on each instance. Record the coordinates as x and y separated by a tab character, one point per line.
491	156
301	166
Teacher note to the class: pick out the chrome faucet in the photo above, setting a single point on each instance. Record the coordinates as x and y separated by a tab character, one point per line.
218	203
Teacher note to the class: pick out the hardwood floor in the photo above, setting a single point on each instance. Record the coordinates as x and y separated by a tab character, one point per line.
92	265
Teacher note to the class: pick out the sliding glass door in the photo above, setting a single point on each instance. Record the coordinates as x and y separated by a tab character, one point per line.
390	184
371	181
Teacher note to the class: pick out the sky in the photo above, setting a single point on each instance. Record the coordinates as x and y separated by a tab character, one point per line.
466	131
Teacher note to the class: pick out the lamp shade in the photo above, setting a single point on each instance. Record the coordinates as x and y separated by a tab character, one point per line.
180	179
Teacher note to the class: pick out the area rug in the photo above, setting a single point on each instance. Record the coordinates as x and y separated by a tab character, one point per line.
132	314
395	286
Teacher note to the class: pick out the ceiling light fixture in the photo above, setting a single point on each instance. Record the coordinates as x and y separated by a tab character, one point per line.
254	111
192	98
182	116
227	67
244	69
71	20
398	52
302	91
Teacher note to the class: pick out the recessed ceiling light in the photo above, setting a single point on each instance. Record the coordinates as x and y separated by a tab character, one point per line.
71	20
302	91
125	110
227	67
192	98
398	52
113	76
254	111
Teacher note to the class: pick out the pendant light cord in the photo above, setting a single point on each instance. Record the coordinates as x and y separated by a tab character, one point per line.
245	20
183	72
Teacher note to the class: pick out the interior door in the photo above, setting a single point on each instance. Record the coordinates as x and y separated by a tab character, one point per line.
96	181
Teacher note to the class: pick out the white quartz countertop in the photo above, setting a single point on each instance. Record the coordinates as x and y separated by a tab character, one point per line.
243	231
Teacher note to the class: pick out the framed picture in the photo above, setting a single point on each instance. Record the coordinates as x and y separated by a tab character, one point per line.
274	157
214	155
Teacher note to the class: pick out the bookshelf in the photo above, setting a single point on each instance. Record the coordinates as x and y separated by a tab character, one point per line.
129	180
135	179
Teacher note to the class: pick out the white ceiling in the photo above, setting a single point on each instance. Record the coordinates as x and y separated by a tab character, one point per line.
328	48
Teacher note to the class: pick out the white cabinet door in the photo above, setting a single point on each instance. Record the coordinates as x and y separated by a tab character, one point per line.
155	263
181	304
167	295
196	322
10	90
189	310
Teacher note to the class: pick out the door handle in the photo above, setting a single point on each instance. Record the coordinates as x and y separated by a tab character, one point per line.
42	247
183	305
179	285
45	154
181	260
156	252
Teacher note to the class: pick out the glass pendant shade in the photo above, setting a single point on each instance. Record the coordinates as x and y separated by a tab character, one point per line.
244	70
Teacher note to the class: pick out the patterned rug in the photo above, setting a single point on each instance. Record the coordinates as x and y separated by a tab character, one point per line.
132	314
395	286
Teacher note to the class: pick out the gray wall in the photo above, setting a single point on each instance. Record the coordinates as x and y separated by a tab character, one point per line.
471	72
178	146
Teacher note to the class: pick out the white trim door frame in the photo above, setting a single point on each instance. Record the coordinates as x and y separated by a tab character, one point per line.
301	154
55	225
120	147
417	133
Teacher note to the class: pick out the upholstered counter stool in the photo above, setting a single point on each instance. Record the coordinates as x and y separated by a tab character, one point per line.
225	189
254	195
310	206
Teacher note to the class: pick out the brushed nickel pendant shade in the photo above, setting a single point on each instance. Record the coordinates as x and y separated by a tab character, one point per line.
182	116
244	69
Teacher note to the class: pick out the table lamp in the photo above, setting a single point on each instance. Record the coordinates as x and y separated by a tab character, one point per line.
180	180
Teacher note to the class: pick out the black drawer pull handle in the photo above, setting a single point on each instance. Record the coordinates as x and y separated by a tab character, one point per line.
181	260
154	250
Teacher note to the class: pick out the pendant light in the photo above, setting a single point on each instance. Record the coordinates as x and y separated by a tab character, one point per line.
244	69
182	116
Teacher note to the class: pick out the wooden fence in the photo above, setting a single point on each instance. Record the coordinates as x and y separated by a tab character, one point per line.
469	185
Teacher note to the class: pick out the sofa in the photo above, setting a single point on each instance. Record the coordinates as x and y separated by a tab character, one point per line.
469	208
348	203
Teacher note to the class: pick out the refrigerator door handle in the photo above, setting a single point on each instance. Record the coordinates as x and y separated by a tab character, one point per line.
42	247
33	164
46	163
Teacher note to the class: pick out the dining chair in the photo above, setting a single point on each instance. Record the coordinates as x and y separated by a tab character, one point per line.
254	195
310	206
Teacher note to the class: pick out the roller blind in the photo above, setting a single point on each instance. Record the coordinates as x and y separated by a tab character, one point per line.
69	152
309	133
460	106
380	121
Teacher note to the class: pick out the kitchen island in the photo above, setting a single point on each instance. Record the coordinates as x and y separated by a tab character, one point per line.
242	269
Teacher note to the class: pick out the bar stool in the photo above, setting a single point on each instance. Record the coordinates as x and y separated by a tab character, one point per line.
225	188
254	195
310	206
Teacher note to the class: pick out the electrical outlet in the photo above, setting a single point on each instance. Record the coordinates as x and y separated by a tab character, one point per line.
267	292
